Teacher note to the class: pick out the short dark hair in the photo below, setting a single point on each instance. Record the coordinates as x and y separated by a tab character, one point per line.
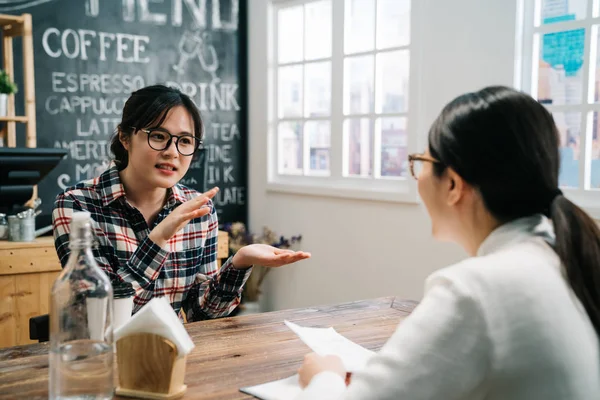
506	144
148	107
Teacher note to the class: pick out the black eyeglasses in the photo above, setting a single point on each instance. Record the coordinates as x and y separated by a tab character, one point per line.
415	162
160	139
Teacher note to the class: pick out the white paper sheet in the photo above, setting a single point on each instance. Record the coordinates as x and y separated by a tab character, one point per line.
326	341
283	389
323	341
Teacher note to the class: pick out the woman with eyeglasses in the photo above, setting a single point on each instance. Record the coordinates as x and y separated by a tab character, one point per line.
518	320
151	231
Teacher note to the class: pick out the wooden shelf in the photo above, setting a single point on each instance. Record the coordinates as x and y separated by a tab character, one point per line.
12	26
14	119
27	270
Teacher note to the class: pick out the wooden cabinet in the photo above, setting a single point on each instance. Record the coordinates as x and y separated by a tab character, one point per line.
27	272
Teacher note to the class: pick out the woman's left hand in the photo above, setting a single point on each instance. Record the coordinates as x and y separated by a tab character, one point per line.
266	256
314	364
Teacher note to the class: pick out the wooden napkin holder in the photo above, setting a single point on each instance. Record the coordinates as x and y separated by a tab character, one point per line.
149	367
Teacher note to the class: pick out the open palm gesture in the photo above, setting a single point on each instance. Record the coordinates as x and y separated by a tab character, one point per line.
266	256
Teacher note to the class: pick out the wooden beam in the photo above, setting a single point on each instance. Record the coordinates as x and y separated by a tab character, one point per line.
14	119
6	19
29	81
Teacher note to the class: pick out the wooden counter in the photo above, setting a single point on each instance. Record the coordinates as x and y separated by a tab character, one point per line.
27	272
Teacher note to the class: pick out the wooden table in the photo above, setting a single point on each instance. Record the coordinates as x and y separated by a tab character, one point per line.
231	353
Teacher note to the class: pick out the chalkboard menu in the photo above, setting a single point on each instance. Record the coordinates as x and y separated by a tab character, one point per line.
90	55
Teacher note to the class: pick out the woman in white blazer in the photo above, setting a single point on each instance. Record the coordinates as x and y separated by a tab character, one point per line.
518	320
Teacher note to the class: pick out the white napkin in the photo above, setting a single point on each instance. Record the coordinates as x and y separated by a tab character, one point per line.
159	318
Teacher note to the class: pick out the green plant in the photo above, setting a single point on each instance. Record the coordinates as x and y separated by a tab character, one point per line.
6	84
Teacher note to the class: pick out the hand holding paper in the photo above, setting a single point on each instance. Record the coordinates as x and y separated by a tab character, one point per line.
323	341
314	364
326	341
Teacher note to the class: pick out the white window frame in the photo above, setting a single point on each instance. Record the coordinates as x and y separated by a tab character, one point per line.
526	70
336	185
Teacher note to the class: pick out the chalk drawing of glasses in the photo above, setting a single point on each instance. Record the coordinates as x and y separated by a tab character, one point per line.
197	44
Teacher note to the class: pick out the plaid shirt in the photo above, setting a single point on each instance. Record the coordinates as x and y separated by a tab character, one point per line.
186	272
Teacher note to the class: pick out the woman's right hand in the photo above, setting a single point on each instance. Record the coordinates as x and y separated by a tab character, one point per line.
180	216
314	364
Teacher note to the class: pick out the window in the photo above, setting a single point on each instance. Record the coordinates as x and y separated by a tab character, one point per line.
341	94
561	69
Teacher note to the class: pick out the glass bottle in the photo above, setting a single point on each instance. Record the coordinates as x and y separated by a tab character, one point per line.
81	328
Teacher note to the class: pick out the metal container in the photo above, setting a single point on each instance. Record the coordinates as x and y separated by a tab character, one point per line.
14	228
27	229
3	227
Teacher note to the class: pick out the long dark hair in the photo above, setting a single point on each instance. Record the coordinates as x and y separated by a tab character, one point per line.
505	144
148	107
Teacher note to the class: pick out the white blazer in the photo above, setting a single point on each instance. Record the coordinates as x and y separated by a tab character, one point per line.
502	325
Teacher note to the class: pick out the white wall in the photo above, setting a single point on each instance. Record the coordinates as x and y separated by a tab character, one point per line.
363	249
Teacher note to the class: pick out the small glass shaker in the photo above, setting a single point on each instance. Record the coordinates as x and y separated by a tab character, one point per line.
3	227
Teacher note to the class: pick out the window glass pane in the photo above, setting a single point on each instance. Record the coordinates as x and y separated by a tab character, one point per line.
359	26
289	141
560	78
393	138
318	30
318	89
290	91
562	10
595	158
392	82
358	139
319	144
290	34
569	128
393	23
595	65
358	85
